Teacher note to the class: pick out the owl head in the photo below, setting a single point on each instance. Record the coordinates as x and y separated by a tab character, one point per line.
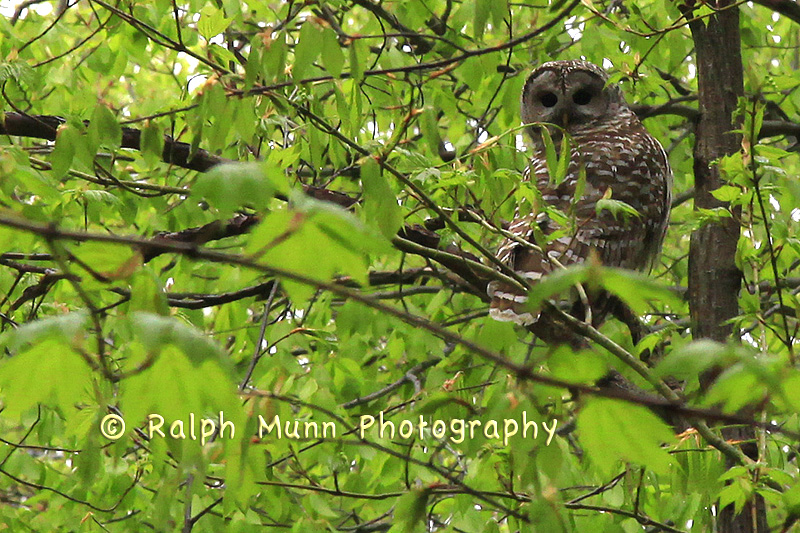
569	94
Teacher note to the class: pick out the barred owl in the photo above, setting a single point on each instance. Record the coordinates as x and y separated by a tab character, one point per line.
619	158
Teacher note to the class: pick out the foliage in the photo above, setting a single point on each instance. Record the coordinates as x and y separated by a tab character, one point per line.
367	304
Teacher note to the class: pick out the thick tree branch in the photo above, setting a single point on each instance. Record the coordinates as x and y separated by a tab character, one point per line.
787	8
46	127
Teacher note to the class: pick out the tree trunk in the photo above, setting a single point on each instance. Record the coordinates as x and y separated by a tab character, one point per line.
714	279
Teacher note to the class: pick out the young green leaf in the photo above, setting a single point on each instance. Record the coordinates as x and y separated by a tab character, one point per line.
549	153
64	151
356	53
155	332
109	261
231	186
212	21
556	282
618	208
380	203
307	50
692	360
104	129
152	143
44	353
482	11
560	170
430	129
410	511
274	56
637	290
612	431
65	328
332	55
315	239
49	372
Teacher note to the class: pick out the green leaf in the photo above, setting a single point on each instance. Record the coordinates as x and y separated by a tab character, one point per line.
89	462
104	128
147	293
332	55
410	511
550	154
156	332
790	391
430	131
254	65
380	203
109	260
612	431
356	52
231	186
212	21
188	377
316	144
274	56
638	290
727	193
755	120
66	328
217	110
19	71
583	367
176	386
315	239
356	120
307	50
152	143
37	375
556	282
737	493
710	216
496	335
482	10
735	388
64	152
580	188
499	12
617	208
220	54
791	499
691	360
45	352
563	160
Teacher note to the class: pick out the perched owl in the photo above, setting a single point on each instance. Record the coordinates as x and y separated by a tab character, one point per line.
619	158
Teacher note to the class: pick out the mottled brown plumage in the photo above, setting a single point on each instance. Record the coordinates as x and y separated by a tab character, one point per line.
619	157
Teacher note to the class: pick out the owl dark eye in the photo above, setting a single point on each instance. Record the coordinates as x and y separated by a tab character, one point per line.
548	99
582	97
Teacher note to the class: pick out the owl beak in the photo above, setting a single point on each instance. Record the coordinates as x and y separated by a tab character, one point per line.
565	119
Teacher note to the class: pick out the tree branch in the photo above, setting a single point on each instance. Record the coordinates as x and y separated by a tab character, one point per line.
787	8
46	127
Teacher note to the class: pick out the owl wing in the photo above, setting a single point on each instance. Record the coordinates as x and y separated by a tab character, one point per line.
633	169
636	171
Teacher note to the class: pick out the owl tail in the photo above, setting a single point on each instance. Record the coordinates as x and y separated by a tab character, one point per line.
509	304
